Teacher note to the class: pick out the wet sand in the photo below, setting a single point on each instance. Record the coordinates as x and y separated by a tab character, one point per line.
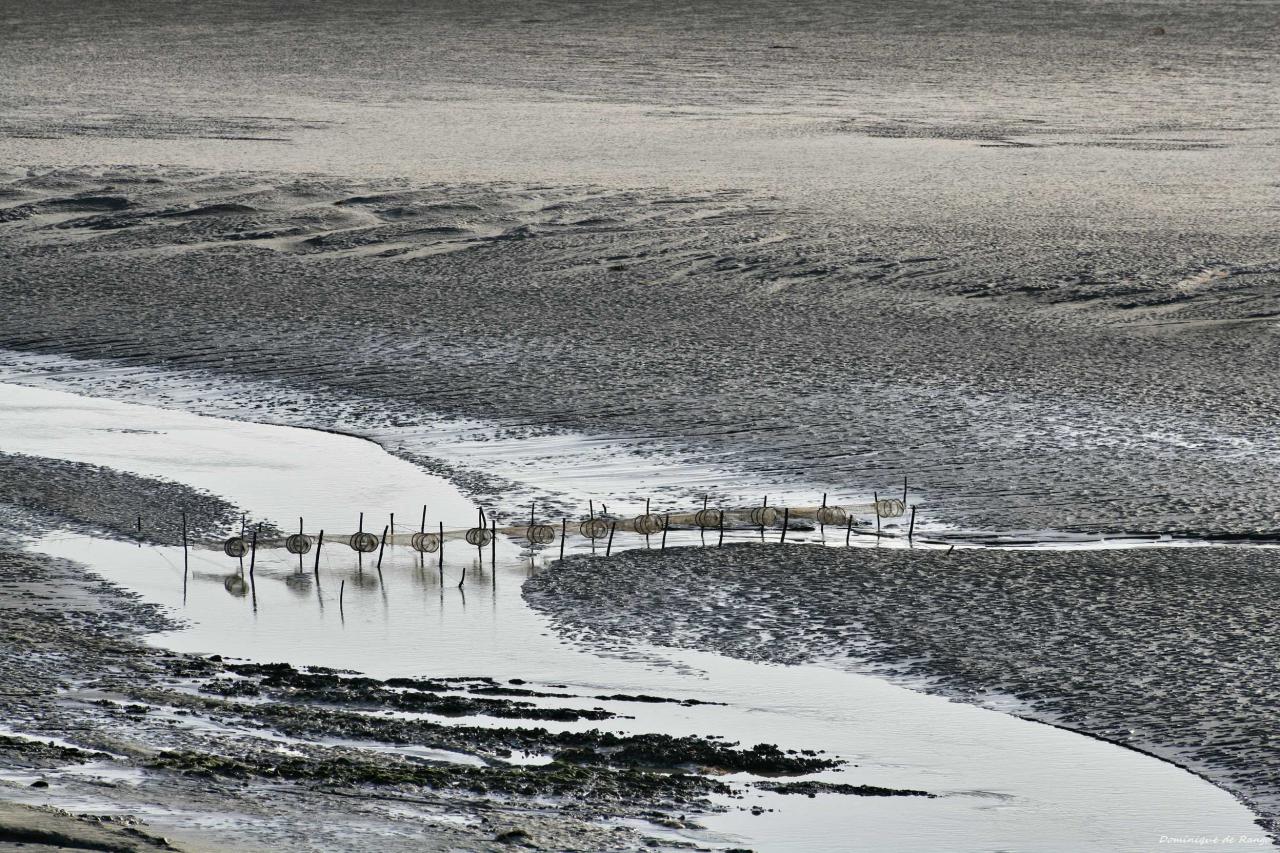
1023	252
1166	650
693	324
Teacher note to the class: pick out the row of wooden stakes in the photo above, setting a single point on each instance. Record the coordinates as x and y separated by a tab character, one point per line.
593	528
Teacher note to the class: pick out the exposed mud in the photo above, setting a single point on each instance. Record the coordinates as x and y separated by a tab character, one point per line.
97	499
1166	650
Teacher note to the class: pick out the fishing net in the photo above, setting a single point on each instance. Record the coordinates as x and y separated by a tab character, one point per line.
479	536
234	547
763	516
365	543
831	515
594	528
540	534
647	524
425	543
298	543
890	508
706	518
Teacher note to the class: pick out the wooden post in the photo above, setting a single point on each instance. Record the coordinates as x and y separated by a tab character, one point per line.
666	522
609	547
822	528
423	528
904	488
720	544
441	550
911	529
564	522
342	590
493	544
382	544
319	543
848	530
361	530
786	516
393	524
184	543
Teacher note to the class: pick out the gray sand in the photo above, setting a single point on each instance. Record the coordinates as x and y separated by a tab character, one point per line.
1168	650
752	335
1023	251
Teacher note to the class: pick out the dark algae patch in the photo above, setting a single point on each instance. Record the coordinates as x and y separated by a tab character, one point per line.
810	788
558	779
281	681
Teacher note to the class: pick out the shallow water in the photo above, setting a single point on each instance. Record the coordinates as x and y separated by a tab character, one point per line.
1003	782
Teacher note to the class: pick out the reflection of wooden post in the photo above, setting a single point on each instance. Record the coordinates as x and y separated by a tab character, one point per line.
786	515
253	556
319	543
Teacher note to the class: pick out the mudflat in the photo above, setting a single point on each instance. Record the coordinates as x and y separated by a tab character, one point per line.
1164	650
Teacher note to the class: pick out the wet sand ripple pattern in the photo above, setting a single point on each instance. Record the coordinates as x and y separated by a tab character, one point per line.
776	339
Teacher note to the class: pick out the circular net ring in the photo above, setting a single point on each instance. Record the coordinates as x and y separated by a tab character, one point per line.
479	536
298	543
890	508
705	518
540	534
425	543
647	525
595	528
831	515
764	516
234	547
365	543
